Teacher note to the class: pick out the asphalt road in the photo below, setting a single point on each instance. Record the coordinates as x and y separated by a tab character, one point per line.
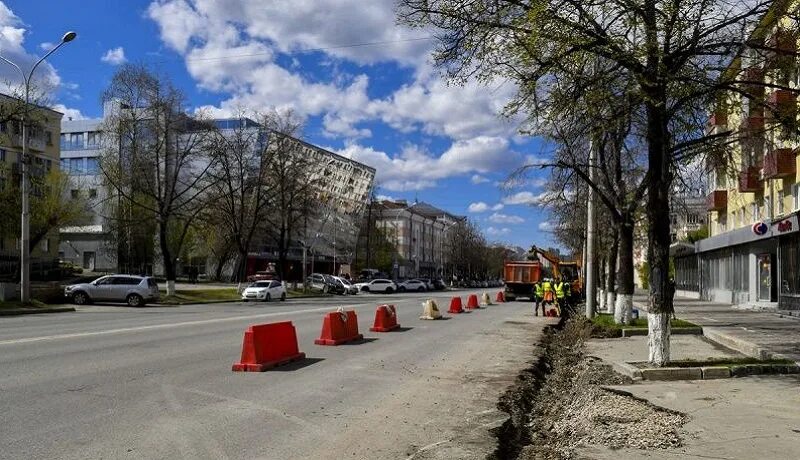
116	382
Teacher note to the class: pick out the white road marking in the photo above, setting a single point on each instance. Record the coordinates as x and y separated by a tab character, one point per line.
168	325
710	319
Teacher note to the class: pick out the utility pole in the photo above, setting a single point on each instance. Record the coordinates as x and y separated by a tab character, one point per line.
591	240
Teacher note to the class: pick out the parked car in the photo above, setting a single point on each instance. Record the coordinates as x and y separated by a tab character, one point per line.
265	291
262	276
438	284
325	283
412	285
348	288
377	285
428	283
134	290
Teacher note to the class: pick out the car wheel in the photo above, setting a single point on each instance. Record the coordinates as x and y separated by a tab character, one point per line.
283	296
244	300
421	289
325	289
135	300
389	290
267	298
365	289
80	298
400	289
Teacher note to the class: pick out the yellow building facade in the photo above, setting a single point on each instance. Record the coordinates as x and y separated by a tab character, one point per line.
44	151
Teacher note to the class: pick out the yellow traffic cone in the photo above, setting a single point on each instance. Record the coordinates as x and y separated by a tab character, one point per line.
430	310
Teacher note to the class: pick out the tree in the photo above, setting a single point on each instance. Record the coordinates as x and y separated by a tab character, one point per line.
241	191
294	188
157	158
672	49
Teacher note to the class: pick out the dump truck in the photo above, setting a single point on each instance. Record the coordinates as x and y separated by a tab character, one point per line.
520	276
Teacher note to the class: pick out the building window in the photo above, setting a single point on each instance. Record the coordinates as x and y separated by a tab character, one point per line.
795	197
755	211
780	204
92	193
74	194
48	135
91	166
92	138
76	166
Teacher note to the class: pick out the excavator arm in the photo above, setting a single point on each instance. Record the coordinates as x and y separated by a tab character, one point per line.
549	257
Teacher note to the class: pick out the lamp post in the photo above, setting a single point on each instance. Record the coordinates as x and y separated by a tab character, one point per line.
24	256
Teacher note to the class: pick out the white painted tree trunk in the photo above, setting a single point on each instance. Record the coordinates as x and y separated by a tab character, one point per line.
623	308
601	306
611	297
658	332
170	287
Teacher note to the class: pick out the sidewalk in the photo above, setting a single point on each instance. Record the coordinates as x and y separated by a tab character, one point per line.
754	333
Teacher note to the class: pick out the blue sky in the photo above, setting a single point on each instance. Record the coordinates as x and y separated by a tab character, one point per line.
364	85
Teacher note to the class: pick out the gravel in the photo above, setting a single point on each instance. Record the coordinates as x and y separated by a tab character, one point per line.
570	407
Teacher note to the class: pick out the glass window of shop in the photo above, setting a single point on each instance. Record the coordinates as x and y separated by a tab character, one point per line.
790	266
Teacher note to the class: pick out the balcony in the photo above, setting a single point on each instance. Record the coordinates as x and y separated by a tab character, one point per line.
749	180
781	49
719	118
717	200
782	105
753	82
70	146
779	163
753	126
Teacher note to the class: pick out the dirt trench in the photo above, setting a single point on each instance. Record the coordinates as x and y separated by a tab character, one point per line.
561	403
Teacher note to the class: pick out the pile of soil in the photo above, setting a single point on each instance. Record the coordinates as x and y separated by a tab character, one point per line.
561	404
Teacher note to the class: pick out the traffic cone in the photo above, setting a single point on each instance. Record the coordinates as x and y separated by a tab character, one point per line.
455	306
268	345
339	327
485	300
430	310
385	319
472	302
501	297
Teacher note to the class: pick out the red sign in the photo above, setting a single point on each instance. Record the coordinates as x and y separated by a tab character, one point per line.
785	226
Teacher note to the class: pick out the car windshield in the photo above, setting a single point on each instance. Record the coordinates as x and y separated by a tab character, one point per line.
260	284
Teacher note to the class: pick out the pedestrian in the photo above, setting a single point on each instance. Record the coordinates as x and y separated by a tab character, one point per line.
538	297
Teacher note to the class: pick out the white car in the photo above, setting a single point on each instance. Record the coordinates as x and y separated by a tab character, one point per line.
348	287
377	285
412	285
264	291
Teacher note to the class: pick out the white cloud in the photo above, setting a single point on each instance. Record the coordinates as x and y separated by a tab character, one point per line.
385	198
478	179
500	218
416	169
528	198
480	206
47	46
498	207
498	231
74	114
547	226
12	38
114	56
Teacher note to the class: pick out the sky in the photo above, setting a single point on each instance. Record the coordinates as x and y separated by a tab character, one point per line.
364	85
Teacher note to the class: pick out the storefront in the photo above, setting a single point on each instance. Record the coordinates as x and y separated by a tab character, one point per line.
788	263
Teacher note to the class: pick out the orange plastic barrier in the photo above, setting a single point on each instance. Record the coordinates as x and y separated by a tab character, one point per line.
268	345
385	319
339	327
501	297
472	302
455	305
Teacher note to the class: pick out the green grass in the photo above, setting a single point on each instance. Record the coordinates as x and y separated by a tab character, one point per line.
183	296
722	362
17	305
605	327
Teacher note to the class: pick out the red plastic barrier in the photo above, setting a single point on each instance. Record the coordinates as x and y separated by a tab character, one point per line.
385	319
455	305
339	328
268	345
472	302
501	297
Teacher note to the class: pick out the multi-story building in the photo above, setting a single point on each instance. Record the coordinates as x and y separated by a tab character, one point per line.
419	232
752	255
86	246
44	153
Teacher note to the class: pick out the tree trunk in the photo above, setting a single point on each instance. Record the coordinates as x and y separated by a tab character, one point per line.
659	168
166	258
625	272
611	272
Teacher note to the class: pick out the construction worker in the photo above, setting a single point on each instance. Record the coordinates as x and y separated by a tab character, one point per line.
547	287
538	298
568	298
559	286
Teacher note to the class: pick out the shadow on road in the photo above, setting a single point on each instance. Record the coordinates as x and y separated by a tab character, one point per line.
296	365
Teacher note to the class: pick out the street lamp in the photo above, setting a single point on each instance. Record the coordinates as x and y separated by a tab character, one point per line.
24	256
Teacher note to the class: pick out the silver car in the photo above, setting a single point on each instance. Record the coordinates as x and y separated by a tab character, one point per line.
134	290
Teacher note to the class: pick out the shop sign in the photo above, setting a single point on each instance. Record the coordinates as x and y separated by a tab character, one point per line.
787	225
760	228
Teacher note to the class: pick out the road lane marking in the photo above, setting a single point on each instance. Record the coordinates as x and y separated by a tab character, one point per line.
167	325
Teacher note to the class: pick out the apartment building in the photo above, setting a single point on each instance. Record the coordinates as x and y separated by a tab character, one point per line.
43	149
419	232
752	255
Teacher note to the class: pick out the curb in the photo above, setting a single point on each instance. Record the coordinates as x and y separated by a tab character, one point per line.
630	332
742	346
28	311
